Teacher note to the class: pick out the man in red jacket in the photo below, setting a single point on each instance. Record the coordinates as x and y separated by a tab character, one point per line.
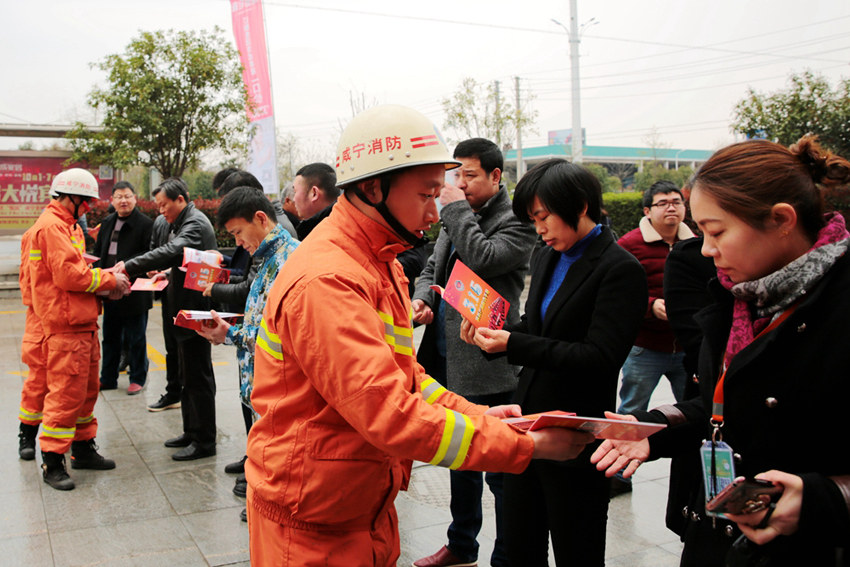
655	351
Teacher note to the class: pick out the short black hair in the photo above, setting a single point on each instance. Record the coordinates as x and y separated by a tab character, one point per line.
322	176
174	187
662	187
562	187
484	150
239	178
219	177
123	185
243	202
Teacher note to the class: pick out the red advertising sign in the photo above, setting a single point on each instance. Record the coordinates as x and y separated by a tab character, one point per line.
25	186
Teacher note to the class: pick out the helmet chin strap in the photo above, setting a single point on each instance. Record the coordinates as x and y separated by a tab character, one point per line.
385	213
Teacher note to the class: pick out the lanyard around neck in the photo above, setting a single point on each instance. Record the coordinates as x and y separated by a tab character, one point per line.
717	406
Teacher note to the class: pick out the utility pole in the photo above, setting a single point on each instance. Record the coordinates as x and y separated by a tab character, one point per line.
498	116
520	165
575	40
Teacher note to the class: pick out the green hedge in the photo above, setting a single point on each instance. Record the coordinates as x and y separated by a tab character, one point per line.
624	209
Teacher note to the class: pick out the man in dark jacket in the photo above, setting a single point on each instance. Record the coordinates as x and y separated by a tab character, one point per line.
124	234
315	195
481	230
188	227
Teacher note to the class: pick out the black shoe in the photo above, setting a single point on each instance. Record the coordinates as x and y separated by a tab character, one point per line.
54	471
26	441
181	440
123	362
240	488
84	455
192	452
108	386
236	468
243	515
619	486
165	402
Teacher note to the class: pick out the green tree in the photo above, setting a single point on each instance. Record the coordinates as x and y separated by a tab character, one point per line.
609	182
170	97
808	105
475	110
655	171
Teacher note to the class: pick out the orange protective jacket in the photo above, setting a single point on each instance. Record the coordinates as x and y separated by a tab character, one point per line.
62	285
343	403
32	346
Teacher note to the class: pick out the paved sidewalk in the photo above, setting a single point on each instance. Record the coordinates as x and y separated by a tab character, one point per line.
152	510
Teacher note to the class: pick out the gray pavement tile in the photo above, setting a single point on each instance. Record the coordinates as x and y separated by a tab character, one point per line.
201	488
26	550
220	535
101	500
163	541
22	515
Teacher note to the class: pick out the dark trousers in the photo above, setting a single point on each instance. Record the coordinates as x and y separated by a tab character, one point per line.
173	383
198	397
119	328
467	488
571	504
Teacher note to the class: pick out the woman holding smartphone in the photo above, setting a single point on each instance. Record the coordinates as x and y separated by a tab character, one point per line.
774	365
585	304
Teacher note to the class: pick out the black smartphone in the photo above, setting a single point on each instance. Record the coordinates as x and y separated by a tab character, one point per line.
744	497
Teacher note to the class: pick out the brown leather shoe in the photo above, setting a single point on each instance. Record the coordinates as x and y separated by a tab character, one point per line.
443	558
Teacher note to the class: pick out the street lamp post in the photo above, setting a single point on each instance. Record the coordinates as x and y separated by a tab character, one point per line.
575	40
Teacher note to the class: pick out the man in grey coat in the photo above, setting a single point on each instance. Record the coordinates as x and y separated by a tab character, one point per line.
479	229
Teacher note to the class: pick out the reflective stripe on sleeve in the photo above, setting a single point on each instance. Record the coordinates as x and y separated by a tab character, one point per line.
400	338
35	254
85	419
431	390
457	436
269	341
95	280
29	416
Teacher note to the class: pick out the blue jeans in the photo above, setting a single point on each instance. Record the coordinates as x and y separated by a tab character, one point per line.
467	489
641	372
118	329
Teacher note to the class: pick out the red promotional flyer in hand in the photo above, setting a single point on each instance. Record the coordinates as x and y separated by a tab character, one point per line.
148	284
199	276
191	319
479	303
200	257
600	427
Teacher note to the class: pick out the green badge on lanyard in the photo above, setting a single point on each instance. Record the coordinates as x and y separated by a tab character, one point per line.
718	467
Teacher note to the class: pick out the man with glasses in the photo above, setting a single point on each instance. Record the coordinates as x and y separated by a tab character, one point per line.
124	234
655	352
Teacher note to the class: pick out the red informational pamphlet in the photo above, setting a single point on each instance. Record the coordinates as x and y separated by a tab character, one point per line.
199	276
147	284
200	257
600	427
191	319
90	258
479	303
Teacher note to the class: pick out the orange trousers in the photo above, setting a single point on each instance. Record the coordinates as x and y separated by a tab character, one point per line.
72	389
34	355
276	545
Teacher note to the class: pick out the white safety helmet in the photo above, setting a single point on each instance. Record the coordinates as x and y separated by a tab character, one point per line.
75	181
385	138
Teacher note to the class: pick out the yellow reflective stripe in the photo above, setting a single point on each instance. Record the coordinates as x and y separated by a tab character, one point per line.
269	341
457	436
95	280
35	254
29	416
431	390
77	244
400	338
58	432
86	419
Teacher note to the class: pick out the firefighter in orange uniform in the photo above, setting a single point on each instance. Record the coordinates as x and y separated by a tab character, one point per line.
62	289
33	355
343	404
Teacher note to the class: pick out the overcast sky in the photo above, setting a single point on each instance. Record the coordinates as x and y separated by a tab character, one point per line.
675	67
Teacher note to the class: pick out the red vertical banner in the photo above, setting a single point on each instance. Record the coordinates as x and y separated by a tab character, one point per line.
249	31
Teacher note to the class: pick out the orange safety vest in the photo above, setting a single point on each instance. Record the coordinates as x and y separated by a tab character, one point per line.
343	403
61	284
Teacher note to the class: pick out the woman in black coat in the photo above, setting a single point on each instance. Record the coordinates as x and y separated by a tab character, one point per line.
777	334
585	305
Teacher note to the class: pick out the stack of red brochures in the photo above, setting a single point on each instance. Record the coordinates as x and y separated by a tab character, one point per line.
600	427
